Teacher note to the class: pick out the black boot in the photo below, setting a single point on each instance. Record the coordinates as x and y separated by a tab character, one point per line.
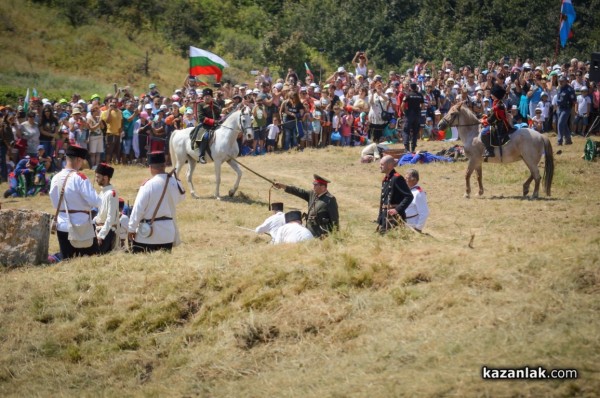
203	144
489	152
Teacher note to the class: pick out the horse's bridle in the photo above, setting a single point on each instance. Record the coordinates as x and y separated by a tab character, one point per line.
454	117
242	113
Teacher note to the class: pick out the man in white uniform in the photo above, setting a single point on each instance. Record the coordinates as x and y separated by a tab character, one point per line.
79	197
273	222
293	231
163	233
418	210
107	219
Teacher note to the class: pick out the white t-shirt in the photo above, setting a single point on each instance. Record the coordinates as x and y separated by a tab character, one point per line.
583	104
361	70
272	131
335	123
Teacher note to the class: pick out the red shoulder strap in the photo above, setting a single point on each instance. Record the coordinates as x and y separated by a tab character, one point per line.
83	176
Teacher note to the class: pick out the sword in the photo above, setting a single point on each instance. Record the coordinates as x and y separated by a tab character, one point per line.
251	230
245	229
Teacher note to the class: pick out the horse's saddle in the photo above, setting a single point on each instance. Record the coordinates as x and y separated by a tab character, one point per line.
199	134
491	137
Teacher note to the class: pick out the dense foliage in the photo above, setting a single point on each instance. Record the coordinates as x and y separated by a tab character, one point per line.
286	33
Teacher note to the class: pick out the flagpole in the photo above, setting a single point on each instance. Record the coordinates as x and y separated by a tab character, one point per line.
557	37
560	18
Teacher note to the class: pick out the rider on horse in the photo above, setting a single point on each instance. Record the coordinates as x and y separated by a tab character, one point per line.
209	114
497	119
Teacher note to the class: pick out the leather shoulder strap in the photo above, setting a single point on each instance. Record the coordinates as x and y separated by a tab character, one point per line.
62	194
162	196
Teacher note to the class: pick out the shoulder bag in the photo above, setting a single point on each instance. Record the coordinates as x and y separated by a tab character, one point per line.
385	115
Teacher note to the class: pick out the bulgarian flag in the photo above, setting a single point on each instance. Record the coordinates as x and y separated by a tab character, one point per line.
205	63
451	134
308	72
26	102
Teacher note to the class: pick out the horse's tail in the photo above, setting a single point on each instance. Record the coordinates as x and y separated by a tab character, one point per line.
548	165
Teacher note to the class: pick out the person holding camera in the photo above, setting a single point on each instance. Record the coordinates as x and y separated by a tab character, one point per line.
378	102
78	129
114	123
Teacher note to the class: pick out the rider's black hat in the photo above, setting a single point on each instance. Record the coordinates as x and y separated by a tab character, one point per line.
498	91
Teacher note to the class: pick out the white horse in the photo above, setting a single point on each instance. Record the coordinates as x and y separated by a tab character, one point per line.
224	148
525	144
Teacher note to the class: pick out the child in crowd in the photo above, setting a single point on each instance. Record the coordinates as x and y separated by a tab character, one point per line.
335	126
545	106
346	128
307	127
436	133
582	111
390	134
273	133
361	128
537	122
428	129
317	128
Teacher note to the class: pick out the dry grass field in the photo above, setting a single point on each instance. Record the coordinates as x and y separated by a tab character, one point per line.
354	315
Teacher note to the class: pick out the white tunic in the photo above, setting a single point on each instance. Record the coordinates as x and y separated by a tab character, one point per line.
291	232
79	195
271	224
418	211
145	203
108	213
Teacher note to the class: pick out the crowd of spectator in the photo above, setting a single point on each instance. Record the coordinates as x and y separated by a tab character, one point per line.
346	108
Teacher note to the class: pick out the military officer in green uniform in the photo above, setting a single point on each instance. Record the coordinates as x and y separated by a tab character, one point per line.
323	216
208	114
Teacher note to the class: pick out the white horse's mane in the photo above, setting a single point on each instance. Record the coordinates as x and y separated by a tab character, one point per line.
231	113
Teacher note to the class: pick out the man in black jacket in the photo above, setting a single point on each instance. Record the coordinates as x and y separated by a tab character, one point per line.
413	103
395	196
209	114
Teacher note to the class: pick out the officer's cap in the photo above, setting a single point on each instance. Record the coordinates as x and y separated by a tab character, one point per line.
320	180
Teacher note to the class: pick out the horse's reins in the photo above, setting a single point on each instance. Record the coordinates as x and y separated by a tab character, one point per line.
252	171
457	116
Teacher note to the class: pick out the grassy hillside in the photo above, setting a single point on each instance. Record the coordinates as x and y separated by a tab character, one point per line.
354	315
38	48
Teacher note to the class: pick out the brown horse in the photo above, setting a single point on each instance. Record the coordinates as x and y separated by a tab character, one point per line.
525	144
